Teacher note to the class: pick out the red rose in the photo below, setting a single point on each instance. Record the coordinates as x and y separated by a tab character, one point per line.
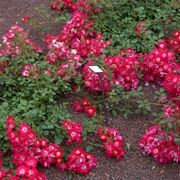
90	110
77	106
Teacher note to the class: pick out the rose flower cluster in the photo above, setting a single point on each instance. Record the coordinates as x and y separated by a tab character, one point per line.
13	41
84	106
124	68
159	62
160	145
174	42
2	172
22	143
73	130
171	117
170	110
76	41
92	81
113	142
75	46
80	162
171	84
30	70
28	151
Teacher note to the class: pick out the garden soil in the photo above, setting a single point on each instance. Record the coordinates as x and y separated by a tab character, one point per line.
134	165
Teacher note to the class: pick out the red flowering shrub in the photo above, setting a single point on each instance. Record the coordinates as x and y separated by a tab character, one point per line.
13	41
90	110
170	111
2	172
92	82
113	142
77	106
125	68
71	52
85	106
159	62
76	41
30	70
174	42
67	71
29	150
160	145
77	44
73	130
25	19
26	166
80	162
171	119
171	84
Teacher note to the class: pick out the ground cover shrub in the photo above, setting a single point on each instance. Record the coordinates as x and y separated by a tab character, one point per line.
28	90
136	24
28	151
128	102
171	120
83	105
160	145
113	142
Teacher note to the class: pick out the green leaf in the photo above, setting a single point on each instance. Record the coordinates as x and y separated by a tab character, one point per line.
59	139
177	141
23	102
114	112
89	148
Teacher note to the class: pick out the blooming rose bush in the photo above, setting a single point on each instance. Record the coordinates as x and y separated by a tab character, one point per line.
22	145
76	45
92	82
174	42
113	142
80	162
28	151
159	62
84	106
73	130
160	145
77	41
171	84
15	39
170	120
125	68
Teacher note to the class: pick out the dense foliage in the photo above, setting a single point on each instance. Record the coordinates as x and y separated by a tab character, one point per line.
136	24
